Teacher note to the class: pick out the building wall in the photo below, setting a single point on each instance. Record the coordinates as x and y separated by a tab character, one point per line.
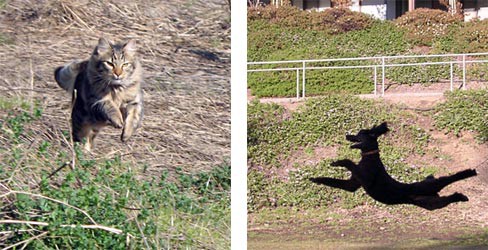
389	9
483	13
355	5
318	4
324	4
469	14
376	8
472	13
297	3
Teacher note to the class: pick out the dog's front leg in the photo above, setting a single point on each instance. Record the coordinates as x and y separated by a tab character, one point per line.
350	185
351	166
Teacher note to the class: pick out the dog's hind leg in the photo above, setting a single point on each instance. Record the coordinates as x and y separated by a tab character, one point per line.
350	185
436	202
431	186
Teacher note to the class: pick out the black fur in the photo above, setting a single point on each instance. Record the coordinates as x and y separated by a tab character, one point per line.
370	174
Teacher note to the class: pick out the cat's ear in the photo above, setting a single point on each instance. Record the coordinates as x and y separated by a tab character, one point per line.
103	46
130	47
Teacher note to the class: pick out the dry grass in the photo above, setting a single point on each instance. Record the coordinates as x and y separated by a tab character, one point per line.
185	50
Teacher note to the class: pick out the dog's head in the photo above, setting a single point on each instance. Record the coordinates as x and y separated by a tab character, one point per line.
367	139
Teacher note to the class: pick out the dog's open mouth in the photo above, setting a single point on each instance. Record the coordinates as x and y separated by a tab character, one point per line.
353	138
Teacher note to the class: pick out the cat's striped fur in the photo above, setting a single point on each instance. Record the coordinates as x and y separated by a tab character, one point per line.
106	90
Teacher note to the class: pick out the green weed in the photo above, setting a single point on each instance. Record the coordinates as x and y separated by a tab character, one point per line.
464	111
175	210
323	121
271	41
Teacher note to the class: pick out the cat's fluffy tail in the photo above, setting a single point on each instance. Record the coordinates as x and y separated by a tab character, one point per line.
65	76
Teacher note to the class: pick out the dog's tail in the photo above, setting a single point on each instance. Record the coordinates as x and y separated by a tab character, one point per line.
466	174
65	76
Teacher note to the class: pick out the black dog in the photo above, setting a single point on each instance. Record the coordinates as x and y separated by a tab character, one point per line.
372	176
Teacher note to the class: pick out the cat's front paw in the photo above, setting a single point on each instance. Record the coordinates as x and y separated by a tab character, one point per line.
126	133
116	121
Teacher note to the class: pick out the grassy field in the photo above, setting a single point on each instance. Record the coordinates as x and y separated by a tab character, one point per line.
286	147
322	123
290	34
280	140
169	186
464	111
291	142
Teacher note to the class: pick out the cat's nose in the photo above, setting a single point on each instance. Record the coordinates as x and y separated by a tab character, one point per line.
117	72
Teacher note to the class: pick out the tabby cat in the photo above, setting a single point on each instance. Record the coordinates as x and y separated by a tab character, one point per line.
106	90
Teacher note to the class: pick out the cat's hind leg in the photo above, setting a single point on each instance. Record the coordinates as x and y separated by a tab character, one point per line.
90	139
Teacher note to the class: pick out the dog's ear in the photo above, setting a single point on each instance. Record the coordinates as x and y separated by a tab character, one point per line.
380	129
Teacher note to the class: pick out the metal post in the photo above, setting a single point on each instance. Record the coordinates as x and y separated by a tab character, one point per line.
411	5
303	80
451	78
464	71
375	80
298	84
383	76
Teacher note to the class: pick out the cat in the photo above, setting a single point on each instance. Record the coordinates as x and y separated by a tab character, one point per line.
106	90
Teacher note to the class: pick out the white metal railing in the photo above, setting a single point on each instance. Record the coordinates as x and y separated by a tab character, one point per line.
378	62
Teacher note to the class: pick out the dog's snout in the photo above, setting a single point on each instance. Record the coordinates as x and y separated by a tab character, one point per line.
351	138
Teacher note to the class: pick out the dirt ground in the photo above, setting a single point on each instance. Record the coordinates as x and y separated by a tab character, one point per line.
366	226
185	51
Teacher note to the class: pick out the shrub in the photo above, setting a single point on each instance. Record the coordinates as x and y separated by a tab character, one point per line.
331	21
422	26
470	37
271	41
381	39
464	111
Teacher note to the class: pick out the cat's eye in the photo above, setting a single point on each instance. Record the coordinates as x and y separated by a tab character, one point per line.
109	64
126	65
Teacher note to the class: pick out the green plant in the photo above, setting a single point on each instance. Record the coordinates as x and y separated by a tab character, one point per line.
470	37
330	21
477	71
464	111
274	133
271	42
49	202
14	124
423	74
422	26
139	209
